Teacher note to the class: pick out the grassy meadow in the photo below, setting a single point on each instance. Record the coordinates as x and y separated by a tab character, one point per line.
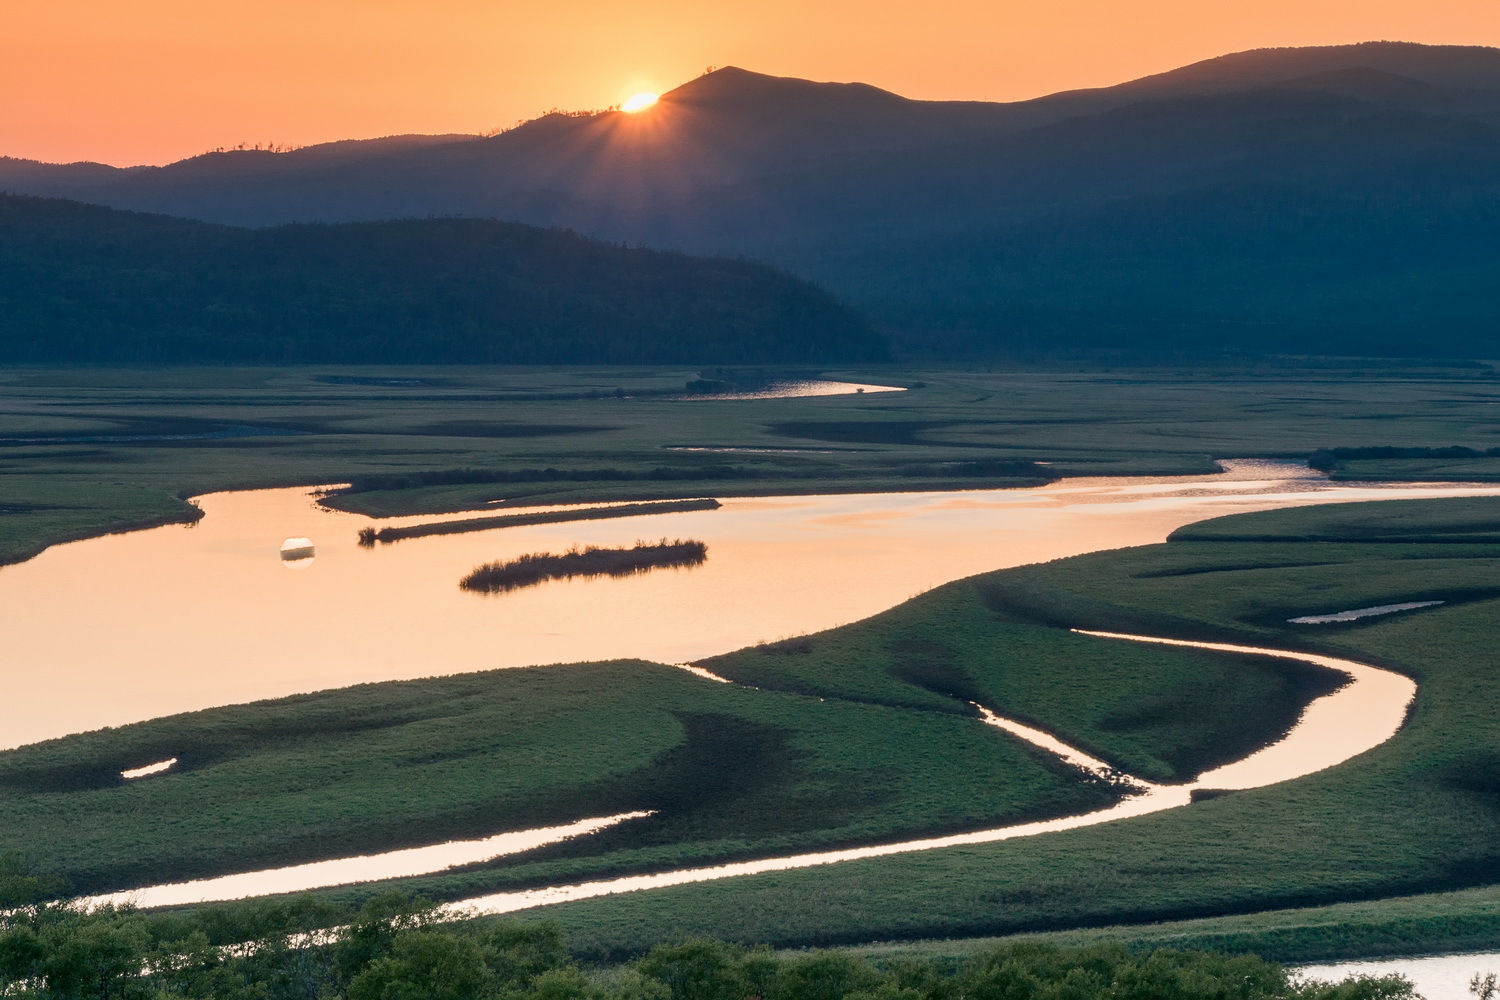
1441	922
821	755
857	735
1162	718
89	450
732	772
1419	814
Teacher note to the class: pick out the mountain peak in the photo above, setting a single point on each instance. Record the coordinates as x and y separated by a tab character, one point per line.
731	85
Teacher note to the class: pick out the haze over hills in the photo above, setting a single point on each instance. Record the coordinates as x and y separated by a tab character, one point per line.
84	283
1338	199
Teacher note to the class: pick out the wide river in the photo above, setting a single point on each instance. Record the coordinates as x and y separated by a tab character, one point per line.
129	627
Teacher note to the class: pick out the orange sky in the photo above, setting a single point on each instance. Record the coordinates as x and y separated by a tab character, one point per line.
148	81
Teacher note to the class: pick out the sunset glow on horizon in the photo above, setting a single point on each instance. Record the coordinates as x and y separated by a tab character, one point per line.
159	80
639	102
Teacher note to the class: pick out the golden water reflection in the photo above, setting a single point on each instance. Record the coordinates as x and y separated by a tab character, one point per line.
130	627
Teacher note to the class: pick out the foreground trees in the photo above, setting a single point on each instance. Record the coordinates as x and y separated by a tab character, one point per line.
395	949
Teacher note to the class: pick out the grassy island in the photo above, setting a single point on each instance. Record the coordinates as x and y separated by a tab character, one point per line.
369	536
538	567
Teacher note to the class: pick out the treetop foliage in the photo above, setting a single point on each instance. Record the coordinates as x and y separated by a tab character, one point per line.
395	948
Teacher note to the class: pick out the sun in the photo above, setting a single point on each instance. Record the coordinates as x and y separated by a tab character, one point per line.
638	102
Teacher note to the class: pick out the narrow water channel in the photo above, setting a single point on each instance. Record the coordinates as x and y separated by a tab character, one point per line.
1358	716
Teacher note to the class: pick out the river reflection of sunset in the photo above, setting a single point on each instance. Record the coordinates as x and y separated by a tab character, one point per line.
129	627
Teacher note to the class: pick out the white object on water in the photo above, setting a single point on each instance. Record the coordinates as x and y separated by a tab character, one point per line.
297	553
1349	616
149	769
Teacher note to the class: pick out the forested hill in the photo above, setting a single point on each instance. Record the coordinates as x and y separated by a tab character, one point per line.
1342	199
85	283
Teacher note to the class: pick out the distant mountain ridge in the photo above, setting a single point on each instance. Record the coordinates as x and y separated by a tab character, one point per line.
84	283
1337	199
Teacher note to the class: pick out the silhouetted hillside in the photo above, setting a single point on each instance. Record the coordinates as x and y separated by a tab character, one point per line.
1284	199
84	283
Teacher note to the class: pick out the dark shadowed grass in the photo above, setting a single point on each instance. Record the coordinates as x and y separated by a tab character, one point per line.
538	567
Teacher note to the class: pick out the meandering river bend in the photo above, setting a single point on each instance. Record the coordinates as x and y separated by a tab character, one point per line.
1364	713
123	628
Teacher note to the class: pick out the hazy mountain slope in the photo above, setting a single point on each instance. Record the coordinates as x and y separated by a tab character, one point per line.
1465	67
1244	268
915	208
730	127
83	283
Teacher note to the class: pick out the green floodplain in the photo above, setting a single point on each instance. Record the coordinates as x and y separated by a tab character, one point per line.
88	450
862	734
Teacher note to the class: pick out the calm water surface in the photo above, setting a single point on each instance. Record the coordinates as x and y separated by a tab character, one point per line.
812	387
1437	977
130	627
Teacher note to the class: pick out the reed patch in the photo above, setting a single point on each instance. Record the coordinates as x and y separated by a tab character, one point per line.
539	567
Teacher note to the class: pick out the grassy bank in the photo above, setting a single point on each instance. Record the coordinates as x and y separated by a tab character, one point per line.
1163	718
88	450
1417	814
862	735
1453	463
386	535
379	767
732	773
1432	923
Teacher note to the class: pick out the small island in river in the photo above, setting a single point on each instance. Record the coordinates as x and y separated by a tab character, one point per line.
538	567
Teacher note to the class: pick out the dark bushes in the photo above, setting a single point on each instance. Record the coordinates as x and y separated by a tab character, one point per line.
537	567
395	948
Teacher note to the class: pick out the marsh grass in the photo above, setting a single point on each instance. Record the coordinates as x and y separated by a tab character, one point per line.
434	439
368	537
593	560
330	774
732	773
1451	922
